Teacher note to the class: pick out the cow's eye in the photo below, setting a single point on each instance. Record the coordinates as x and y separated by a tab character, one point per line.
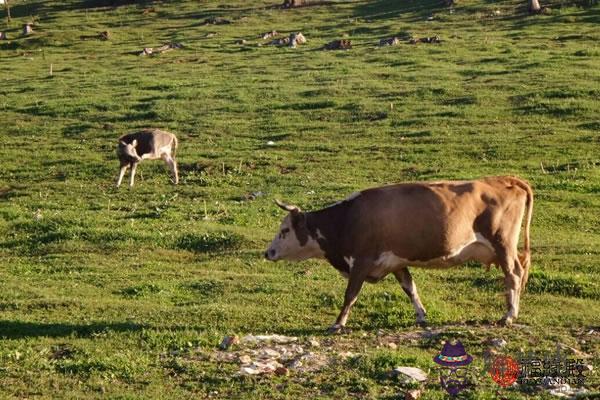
283	232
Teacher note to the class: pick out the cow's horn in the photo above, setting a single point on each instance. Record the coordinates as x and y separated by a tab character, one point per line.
286	207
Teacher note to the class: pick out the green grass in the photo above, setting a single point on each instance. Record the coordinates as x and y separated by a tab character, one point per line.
127	293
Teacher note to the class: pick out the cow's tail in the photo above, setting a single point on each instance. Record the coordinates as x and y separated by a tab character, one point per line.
525	256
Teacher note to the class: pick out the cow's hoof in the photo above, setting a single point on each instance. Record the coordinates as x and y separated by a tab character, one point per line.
505	321
422	323
338	329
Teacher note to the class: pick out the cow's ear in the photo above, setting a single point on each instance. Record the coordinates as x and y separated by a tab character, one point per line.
287	207
134	143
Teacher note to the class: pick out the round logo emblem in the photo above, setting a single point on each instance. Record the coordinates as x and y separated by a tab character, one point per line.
504	371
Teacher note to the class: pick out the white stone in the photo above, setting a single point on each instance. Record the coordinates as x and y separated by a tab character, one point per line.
415	374
498	343
269	338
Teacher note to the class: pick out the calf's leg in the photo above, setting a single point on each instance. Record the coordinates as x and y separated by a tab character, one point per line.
132	174
175	171
356	278
403	276
172	164
122	174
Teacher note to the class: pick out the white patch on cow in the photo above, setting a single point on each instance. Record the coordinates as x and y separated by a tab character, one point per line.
478	249
385	263
286	245
481	239
388	259
350	261
353	196
320	235
158	153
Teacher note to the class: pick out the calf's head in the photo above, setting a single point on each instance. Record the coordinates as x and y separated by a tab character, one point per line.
293	242
128	151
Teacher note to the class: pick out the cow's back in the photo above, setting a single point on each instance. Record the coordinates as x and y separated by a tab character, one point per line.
423	221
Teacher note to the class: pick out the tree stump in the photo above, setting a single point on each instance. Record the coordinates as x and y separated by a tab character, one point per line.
269	35
296	39
342	44
27	29
294	3
7	10
393	41
216	21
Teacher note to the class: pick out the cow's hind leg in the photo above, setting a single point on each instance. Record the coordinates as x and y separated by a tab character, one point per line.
356	278
405	279
513	274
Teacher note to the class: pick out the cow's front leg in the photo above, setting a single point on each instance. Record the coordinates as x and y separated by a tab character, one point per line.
356	278
121	174
408	285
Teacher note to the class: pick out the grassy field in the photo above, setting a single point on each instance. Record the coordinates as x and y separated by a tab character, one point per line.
127	293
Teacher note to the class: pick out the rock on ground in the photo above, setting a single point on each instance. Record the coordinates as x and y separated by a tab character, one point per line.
410	373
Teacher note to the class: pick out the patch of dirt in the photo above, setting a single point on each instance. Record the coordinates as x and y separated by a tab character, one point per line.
268	354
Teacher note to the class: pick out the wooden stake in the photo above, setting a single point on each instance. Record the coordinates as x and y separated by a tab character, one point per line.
205	211
7	6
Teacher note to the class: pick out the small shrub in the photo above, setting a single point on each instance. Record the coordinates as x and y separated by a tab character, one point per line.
209	242
380	364
140	290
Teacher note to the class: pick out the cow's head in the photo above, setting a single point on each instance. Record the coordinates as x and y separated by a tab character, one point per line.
293	242
128	150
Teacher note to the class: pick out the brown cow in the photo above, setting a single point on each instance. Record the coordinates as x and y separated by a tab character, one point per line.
439	224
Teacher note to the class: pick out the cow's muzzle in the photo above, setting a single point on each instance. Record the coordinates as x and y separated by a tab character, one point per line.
270	255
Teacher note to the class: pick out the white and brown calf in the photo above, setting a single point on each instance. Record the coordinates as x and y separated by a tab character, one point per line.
147	144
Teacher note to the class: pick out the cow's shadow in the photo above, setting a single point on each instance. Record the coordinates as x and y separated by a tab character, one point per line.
21	329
